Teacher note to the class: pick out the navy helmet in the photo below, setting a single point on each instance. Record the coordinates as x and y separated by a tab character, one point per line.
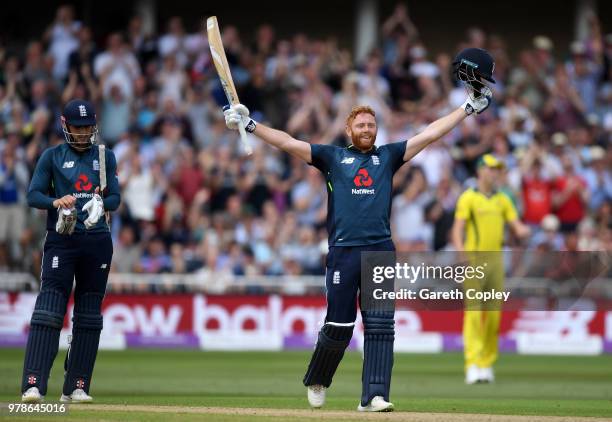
79	113
473	65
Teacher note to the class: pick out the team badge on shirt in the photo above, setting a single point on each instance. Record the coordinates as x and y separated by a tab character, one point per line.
96	165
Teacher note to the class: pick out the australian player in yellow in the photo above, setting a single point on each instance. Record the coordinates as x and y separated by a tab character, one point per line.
480	217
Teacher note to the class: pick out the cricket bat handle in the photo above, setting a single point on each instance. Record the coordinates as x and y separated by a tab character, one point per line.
245	143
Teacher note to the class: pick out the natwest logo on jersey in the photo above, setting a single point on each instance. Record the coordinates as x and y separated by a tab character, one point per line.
83	183
363	180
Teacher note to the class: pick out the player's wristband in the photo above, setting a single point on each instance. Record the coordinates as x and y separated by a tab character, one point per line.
467	107
250	127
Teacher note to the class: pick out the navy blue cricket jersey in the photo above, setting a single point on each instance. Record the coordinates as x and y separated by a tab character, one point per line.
359	189
62	171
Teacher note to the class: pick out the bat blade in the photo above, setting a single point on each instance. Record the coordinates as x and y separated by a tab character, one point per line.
219	59
102	163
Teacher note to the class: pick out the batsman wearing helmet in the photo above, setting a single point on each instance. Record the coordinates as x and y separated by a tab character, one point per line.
78	248
359	187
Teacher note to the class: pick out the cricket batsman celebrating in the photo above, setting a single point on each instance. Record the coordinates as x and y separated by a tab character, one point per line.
78	247
359	187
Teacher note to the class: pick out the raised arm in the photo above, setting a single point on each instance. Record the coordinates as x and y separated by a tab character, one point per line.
239	114
443	125
433	132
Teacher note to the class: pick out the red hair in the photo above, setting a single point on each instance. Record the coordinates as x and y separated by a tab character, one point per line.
356	111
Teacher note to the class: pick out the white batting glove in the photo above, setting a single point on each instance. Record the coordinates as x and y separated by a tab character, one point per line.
95	209
66	220
473	104
238	115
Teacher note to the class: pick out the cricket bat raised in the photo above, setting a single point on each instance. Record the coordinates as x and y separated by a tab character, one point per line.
223	70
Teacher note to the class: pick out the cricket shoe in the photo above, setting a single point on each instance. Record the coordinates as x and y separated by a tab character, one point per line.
487	375
472	375
77	396
32	395
377	404
316	395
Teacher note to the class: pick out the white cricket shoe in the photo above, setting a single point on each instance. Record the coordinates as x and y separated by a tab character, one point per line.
32	395
377	404
316	395
77	396
472	375
487	375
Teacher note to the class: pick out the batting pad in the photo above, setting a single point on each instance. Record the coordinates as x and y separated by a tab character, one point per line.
43	339
87	325
333	341
379	335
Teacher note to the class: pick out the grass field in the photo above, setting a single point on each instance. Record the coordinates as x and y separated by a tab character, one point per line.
527	385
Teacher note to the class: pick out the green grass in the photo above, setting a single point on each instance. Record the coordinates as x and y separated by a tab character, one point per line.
526	385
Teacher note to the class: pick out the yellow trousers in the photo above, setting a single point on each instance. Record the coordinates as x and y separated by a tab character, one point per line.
481	320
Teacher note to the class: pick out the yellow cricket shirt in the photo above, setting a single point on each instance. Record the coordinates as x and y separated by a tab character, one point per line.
485	217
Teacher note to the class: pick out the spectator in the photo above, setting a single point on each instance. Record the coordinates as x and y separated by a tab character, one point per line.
410	206
62	39
14	179
537	194
569	196
126	257
117	66
155	259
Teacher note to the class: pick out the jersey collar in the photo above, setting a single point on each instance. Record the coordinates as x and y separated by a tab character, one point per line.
371	151
493	192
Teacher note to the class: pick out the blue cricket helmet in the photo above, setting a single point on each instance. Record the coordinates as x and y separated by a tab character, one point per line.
79	113
474	67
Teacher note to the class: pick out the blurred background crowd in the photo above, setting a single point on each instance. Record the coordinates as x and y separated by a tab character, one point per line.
192	202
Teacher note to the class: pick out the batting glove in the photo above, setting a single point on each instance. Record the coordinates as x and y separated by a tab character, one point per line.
238	115
475	103
66	220
95	209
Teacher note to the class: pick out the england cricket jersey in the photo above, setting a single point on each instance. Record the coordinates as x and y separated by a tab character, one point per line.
62	171
359	188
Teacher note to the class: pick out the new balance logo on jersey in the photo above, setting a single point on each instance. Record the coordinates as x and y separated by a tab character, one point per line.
68	165
55	262
103	266
336	277
82	111
375	160
347	160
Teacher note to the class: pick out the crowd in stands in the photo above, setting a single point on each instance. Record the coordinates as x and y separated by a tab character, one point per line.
192	202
